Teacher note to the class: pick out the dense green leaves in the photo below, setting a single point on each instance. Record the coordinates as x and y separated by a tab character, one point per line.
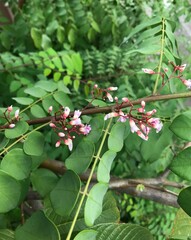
93	207
10	192
37	227
65	194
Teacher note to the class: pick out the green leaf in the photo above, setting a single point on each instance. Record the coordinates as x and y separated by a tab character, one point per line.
97	103
81	157
56	76
60	34
6	234
46	42
182	226
48	86
67	80
3	141
10	192
37	227
116	137
76	84
184	199
181	164
95	26
181	126
104	167
68	62
77	61
47	71
35	92
37	111
97	125
37	37
93	206
23	100
17	164
64	196
63	99
20	128
115	231
86	234
43	180
34	144
55	58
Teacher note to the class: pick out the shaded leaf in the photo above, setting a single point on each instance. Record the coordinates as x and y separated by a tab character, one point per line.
184	199
20	128
23	100
6	234
34	144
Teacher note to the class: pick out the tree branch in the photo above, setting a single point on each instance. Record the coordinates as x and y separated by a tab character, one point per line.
95	110
153	187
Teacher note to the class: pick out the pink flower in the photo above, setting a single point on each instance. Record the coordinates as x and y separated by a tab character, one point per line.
76	121
145	128
141	135
69	143
58	144
52	125
50	109
85	129
12	125
61	134
180	68
147	70
110	115
77	114
151	112
133	126
10	108
66	112
112	88
155	123
125	100
123	117
95	86
17	114
187	83
108	95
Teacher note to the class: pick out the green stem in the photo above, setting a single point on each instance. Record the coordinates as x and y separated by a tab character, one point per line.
161	55
23	137
88	181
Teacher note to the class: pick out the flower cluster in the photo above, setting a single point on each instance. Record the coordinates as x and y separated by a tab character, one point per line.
140	124
105	93
66	127
8	117
177	68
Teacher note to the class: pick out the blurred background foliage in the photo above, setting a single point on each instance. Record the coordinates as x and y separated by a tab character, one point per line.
96	35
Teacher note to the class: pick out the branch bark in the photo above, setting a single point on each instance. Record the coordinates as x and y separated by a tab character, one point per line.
154	188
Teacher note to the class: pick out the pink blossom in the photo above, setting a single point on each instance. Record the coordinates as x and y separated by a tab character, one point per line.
112	88
141	135
52	125
76	121
151	112
77	114
12	125
66	112
187	83
61	134
58	144
133	126
125	100
147	70
50	109
155	123
85	129
95	86
110	115
181	68
108	95
69	143
17	114
123	117
10	108
145	128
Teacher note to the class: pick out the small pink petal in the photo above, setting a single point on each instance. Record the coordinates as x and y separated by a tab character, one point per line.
12	125
112	88
10	108
61	134
147	70
108	95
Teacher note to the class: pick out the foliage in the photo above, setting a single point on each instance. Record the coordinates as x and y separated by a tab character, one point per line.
67	58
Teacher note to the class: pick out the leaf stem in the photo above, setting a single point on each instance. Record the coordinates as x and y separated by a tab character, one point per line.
161	55
88	181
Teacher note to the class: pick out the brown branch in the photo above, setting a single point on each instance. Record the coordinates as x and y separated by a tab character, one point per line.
153	187
95	110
